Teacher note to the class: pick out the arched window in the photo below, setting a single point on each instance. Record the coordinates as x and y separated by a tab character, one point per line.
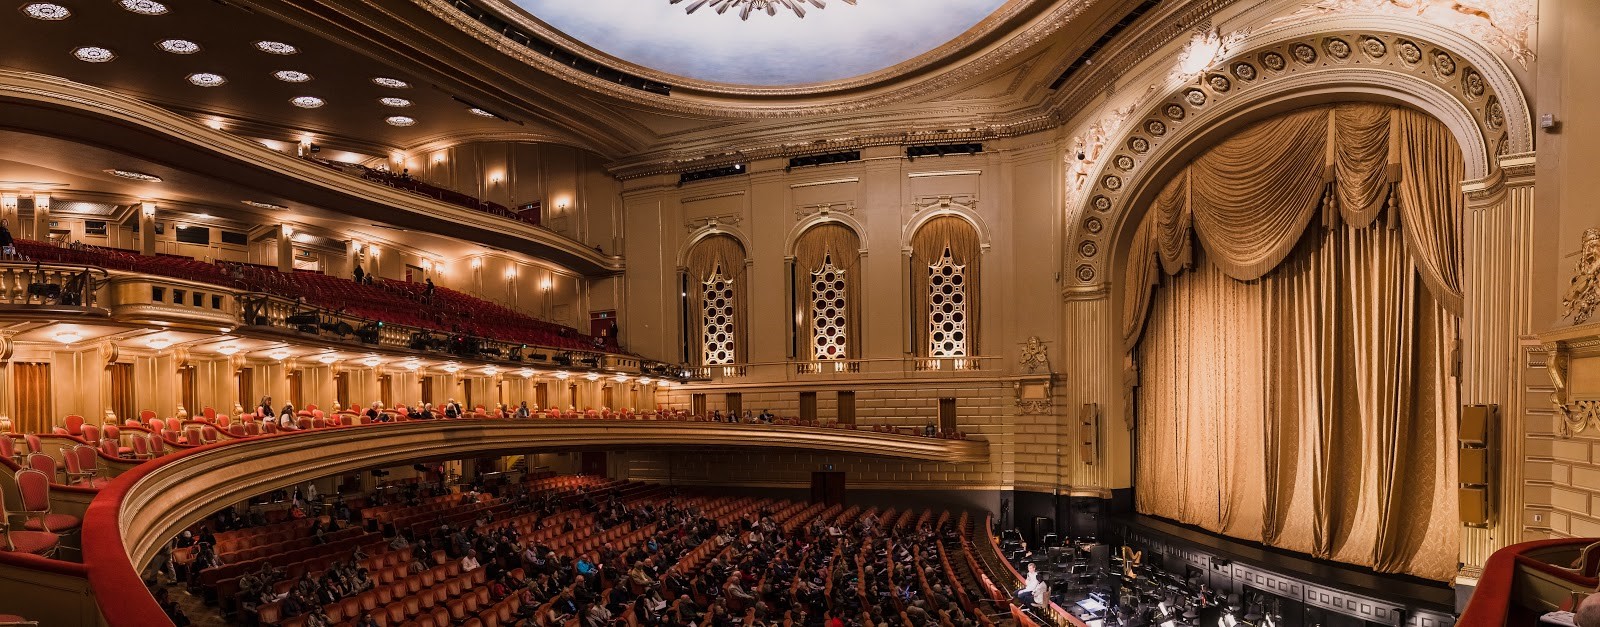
715	286
827	278
945	256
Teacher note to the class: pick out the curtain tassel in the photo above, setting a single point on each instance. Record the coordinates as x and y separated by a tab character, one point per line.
1330	207
1392	209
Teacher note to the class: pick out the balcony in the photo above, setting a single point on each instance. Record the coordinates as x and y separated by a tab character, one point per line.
1523	581
852	369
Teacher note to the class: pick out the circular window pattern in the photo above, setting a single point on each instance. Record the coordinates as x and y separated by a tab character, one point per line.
144	7
393	83
46	11
178	46
307	102
1374	47
275	47
207	79
947	315
717	343
1337	48
400	120
94	54
1273	61
1139	144
1088	248
291	76
1244	71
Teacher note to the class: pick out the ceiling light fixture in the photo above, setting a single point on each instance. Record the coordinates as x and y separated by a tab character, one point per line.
275	47
207	79
159	343
452	368
94	54
291	76
411	365
490	371
279	354
178	46
592	376
328	358
481	113
563	375
307	102
46	11
622	378
144	7
215	124
399	120
228	350
746	7
526	373
644	380
393	83
371	362
137	176
264	205
68	337
394	102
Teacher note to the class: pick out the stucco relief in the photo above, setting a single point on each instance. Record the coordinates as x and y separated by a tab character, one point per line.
1583	294
1504	24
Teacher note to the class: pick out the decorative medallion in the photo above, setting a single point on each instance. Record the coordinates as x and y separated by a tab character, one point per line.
94	54
1088	248
1174	111
481	113
1337	48
1304	54
1244	71
1443	63
1101	203
1139	144
1123	162
307	102
291	76
394	102
1409	52
133	175
1111	182
47	11
1273	61
400	120
1374	47
1093	224
1195	97
746	8
264	205
1085	273
1472	83
1155	127
1219	83
392	83
1493	116
144	7
276	47
178	46
207	79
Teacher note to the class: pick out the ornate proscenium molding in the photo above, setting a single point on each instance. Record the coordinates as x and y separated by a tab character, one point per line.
1572	361
1034	394
746	7
1584	292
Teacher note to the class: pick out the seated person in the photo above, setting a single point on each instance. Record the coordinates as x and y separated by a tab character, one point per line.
1030	586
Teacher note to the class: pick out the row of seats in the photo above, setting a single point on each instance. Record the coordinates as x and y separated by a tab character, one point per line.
405	182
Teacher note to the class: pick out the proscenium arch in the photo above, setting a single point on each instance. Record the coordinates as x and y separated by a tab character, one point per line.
1388	80
131	521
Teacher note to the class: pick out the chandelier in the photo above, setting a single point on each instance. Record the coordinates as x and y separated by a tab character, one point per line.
746	7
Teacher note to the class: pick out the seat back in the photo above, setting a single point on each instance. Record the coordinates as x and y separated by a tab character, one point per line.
113	432
173	424
75	424
86	458
141	445
34	488
90	433
210	434
109	447
8	446
158	445
146	415
208	412
42	462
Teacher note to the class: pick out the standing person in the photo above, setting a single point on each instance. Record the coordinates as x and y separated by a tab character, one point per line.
8	246
361	275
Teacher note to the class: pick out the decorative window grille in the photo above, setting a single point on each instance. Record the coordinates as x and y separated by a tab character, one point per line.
827	311
717	345
947	302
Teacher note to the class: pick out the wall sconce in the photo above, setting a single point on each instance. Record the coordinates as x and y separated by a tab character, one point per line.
561	204
411	365
496	176
511	274
545	285
41	200
8	202
357	246
427	266
228	350
621	378
68	337
215	124
149	209
398	158
373	250
644	380
477	262
279	354
159	343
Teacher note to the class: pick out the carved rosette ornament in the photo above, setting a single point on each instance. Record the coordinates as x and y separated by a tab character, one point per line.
1583	294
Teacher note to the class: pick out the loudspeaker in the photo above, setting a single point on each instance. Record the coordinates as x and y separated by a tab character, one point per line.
1473	468
1476	457
1089	433
1475	421
1474	505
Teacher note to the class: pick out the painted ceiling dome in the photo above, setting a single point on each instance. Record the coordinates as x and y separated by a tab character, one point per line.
762	43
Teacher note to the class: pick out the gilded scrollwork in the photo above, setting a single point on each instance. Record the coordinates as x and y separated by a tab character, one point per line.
1034	355
1576	416
1583	294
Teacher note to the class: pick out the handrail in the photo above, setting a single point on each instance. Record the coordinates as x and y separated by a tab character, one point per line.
155	499
1494	597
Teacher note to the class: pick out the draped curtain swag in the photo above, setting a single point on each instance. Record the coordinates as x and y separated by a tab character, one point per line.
1249	198
842	243
927	247
1308	405
702	261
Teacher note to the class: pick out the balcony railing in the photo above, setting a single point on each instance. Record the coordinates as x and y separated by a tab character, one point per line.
808	370
1522	581
33	285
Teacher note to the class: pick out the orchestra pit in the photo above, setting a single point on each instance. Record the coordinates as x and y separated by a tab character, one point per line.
799	313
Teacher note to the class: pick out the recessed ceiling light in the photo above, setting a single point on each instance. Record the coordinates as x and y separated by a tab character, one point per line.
144	7
395	83
291	76
207	79
46	11
94	54
264	205
395	102
276	47
178	46
480	112
131	174
399	120
308	102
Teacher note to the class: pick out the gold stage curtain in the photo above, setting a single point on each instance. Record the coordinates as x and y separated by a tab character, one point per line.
1250	197
822	240
927	246
701	263
1312	408
122	391
35	412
